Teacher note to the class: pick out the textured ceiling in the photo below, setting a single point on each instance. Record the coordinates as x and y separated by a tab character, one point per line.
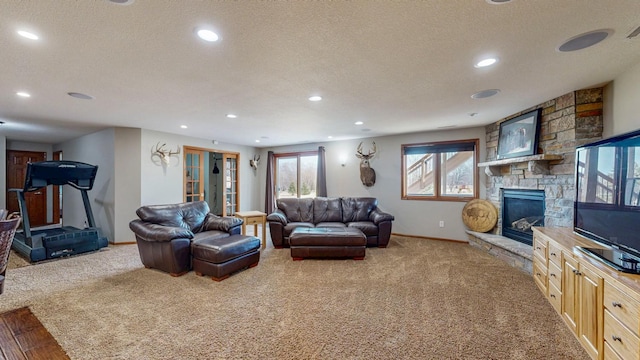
401	66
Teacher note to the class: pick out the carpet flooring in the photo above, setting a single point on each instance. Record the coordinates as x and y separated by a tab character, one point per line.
416	299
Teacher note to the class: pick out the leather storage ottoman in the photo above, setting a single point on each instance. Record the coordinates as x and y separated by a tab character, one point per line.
219	257
327	243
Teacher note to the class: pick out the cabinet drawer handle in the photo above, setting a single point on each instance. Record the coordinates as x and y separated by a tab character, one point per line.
553	254
538	247
616	304
552	295
539	275
575	271
552	275
616	338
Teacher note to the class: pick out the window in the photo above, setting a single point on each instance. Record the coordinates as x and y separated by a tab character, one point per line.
296	175
440	171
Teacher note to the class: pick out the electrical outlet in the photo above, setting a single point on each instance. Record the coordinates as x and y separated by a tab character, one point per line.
441	223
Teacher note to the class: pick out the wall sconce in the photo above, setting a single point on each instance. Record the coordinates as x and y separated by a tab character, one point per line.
343	160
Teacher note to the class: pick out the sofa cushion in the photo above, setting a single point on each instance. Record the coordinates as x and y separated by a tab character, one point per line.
185	215
327	210
367	227
297	210
331	225
357	209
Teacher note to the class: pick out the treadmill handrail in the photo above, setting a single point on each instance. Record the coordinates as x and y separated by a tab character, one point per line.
60	172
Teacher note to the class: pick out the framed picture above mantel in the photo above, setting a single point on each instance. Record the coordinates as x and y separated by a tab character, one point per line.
519	136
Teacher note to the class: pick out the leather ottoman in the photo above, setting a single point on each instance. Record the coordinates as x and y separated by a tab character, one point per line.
330	242
219	257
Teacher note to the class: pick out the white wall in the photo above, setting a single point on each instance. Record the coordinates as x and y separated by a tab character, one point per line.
412	217
164	184
623	97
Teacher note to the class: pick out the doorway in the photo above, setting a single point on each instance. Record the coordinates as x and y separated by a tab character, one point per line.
36	201
212	176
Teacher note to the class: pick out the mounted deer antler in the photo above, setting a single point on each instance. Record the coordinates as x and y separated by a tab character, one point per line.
254	163
367	174
164	154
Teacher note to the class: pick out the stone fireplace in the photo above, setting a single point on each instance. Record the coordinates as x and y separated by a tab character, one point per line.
568	121
521	209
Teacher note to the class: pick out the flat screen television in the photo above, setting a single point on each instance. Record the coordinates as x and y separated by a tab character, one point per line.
607	201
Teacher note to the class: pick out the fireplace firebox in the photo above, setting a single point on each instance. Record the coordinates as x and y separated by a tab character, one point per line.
521	209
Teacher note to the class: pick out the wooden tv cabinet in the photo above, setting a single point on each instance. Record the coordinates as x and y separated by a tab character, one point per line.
599	304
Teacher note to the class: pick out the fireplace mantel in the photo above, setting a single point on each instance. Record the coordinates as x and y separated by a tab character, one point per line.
536	164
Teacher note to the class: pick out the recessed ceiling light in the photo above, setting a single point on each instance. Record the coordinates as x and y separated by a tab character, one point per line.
232	116
585	40
23	94
207	35
183	126
498	2
82	96
358	123
122	2
28	35
485	94
329	137
486	62
257	140
315	98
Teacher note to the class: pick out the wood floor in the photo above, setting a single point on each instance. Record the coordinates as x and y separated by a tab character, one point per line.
22	336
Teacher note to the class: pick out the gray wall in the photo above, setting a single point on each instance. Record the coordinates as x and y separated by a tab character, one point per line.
163	184
96	149
128	183
412	217
622	112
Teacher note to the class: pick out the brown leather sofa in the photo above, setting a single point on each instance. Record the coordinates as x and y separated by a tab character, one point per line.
164	233
356	212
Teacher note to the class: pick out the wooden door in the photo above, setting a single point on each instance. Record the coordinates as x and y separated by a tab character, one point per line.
231	181
193	175
570	306
36	201
590	327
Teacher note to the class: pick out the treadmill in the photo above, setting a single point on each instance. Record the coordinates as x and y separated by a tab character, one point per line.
66	240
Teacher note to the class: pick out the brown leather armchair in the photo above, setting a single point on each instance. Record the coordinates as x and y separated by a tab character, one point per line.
164	233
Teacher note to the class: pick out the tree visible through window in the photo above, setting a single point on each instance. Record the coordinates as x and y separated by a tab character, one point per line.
296	175
440	170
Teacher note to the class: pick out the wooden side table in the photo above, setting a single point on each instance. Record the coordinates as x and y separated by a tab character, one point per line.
254	218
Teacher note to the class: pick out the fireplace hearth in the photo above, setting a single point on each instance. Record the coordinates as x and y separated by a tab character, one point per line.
521	209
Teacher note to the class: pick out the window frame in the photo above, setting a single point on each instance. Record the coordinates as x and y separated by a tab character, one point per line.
437	196
297	155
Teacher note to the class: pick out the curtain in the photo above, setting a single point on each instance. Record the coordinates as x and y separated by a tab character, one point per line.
321	180
269	200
